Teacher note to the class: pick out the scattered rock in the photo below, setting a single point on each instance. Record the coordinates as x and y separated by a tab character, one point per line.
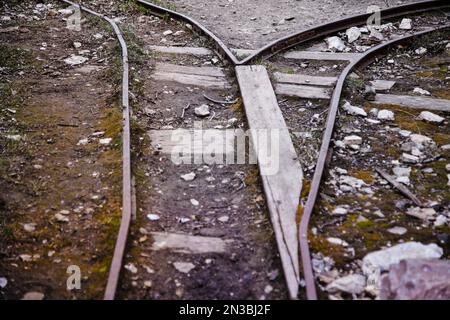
337	241
420	51
224	219
417	279
353	284
3	282
402	172
405	24
29	227
421	91
335	43
184	267
74	60
441	220
202	111
195	202
386	115
408	158
430	117
77	45
353	34
357	111
340	211
167	33
33	295
425	214
61	218
153	217
188	176
105	141
131	267
378	261
352	140
398	230
268	289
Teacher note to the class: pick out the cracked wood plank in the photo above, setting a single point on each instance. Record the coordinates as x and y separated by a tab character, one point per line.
281	174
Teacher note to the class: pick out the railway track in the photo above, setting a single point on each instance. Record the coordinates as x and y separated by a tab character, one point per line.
194	79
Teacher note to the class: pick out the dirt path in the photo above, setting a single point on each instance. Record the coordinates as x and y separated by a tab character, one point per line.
253	24
60	153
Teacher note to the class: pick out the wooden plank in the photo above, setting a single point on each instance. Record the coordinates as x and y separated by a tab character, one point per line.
414	102
308	92
283	186
192	79
312	55
382	85
181	50
192	143
183	243
201	71
304	79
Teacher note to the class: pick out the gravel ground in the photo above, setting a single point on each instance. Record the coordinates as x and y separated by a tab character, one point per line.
253	24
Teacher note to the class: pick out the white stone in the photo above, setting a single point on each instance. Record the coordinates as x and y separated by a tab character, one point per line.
404	180
420	51
74	60
153	217
353	34
65	12
353	182
337	241
29	227
353	110
398	230
268	289
353	139
340	211
441	220
383	259
98	36
184	267
202	111
3	282
353	284
386	115
421	91
430	117
77	45
425	214
335	43
224	219
188	176
131	267
105	141
447	167
61	218
167	33
409	158
195	202
405	24
402	172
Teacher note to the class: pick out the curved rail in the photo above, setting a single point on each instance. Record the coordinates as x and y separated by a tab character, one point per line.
325	150
221	48
116	264
332	27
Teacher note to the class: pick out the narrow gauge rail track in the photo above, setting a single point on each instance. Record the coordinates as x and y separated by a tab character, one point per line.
270	51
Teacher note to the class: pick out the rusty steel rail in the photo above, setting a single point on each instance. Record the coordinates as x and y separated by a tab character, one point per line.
220	48
116	264
326	29
325	152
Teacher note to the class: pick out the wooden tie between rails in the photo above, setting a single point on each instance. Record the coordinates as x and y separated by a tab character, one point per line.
283	187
